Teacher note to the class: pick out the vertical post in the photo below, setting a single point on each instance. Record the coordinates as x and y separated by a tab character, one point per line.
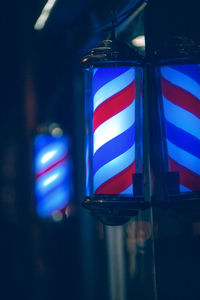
116	265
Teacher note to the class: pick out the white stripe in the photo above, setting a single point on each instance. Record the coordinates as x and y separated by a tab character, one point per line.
184	158
114	126
51	179
114	167
181	118
184	189
128	191
57	151
182	80
114	86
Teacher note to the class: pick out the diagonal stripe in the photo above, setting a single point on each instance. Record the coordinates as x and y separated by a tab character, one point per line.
48	150
102	76
181	118
114	148
114	167
181	97
54	201
181	80
188	178
192	71
182	139
39	174
114	126
184	158
113	87
52	188
118	183
114	105
52	179
184	189
128	191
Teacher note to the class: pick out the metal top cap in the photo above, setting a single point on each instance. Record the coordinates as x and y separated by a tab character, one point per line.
177	49
112	52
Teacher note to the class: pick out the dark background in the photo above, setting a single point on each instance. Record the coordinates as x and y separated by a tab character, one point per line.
42	81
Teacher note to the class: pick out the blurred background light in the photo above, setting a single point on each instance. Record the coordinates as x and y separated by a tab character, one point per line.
139	41
40	23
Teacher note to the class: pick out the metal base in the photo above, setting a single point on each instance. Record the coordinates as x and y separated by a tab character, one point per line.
112	210
184	205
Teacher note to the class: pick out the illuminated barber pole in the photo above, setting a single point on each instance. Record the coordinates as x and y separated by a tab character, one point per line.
113	94
113	130
179	107
53	178
181	103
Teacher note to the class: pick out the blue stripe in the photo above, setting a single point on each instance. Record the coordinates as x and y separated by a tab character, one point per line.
181	118
184	158
181	80
114	167
183	139
113	87
192	71
114	126
184	189
128	191
114	148
105	75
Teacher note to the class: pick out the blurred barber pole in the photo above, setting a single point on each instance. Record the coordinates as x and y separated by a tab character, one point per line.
53	174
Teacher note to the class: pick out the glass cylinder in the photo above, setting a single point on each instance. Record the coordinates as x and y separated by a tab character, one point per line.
179	100
113	115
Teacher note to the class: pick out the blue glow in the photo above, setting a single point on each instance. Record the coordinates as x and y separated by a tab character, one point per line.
53	185
87	169
53	202
47	156
49	150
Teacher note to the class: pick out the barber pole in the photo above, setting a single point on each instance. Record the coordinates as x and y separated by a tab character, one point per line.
181	104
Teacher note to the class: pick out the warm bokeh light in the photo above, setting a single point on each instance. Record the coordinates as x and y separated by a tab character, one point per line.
139	41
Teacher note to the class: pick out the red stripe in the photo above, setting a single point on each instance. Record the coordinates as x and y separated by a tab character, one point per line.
181	97
117	183
188	178
114	105
39	174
